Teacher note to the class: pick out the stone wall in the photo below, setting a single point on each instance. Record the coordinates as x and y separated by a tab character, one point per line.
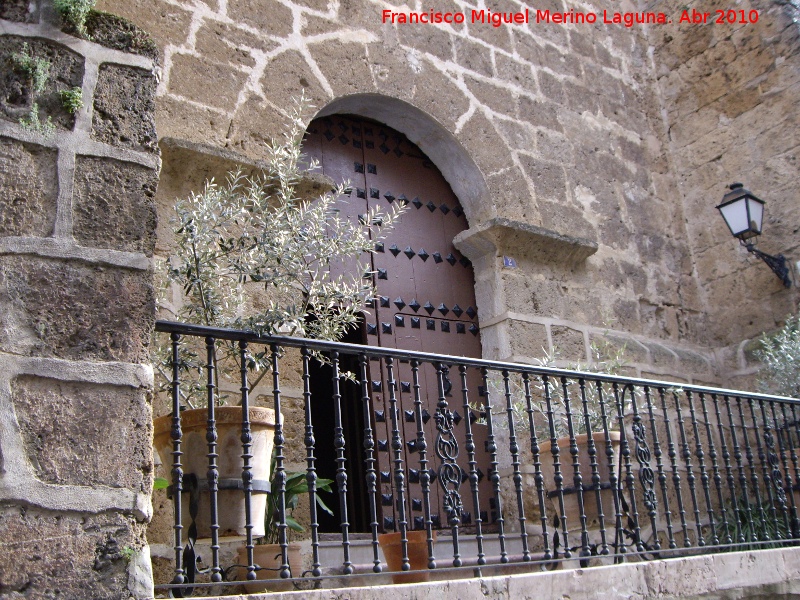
552	136
77	231
731	95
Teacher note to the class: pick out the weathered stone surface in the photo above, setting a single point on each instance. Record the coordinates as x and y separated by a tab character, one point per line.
124	108
114	205
51	555
165	22
266	15
75	311
29	189
62	422
528	339
16	88
21	11
120	34
568	343
190	75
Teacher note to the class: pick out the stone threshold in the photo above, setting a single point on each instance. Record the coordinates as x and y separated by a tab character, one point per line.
762	574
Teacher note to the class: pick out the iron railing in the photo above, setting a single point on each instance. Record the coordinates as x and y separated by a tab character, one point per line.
515	466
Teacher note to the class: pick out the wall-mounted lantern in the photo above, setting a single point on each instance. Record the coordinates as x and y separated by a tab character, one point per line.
743	213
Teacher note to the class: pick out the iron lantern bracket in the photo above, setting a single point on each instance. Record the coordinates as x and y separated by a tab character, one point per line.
776	263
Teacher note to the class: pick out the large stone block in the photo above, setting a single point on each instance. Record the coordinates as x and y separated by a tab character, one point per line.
29	189
166	22
528	339
73	310
85	434
190	76
55	555
124	108
114	205
16	87
22	11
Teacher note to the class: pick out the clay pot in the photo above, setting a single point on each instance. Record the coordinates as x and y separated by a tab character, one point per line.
230	502
417	548
268	556
571	505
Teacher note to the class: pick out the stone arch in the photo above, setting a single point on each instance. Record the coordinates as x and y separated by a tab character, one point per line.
441	146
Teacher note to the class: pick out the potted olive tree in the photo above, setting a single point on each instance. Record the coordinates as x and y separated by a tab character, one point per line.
253	254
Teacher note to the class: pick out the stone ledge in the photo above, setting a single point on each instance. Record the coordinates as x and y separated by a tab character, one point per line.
504	236
67	249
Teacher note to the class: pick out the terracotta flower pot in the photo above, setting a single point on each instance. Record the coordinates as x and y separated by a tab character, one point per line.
230	502
417	548
268	556
571	505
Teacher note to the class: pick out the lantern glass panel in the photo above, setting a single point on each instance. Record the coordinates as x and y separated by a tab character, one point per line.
735	215
756	215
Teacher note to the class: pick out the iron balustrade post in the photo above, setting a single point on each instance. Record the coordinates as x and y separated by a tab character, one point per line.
611	460
247	457
177	468
782	478
424	472
751	463
212	475
701	464
369	462
646	476
494	475
625	452
769	465
311	462
341	462
577	478
662	476
399	475
690	478
517	476
279	477
449	471
712	454
787	436
673	459
740	469
474	478
537	465
726	458
596	481
558	478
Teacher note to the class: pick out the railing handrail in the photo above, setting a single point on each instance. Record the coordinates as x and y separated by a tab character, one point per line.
356	349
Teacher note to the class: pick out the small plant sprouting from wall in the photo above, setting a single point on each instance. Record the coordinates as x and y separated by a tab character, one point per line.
75	12
33	123
780	354
72	99
37	70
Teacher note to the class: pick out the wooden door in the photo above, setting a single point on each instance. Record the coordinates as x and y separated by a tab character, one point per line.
425	302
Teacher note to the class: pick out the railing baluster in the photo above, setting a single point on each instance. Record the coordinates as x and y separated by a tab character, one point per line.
788	440
311	461
712	454
369	462
177	468
537	467
740	469
341	463
662	476
646	477
424	471
447	451
494	475
782	479
701	464
517	476
558	478
247	456
751	465
279	476
212	475
726	458
577	478
474	479
596	481
690	479
611	458
399	476
766	454
625	452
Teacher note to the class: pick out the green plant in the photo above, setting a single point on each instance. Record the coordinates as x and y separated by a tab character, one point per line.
75	13
296	485
35	124
128	553
72	99
780	355
749	523
36	69
253	242
160	483
607	358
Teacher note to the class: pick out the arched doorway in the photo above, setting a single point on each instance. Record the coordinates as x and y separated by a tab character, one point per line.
425	292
